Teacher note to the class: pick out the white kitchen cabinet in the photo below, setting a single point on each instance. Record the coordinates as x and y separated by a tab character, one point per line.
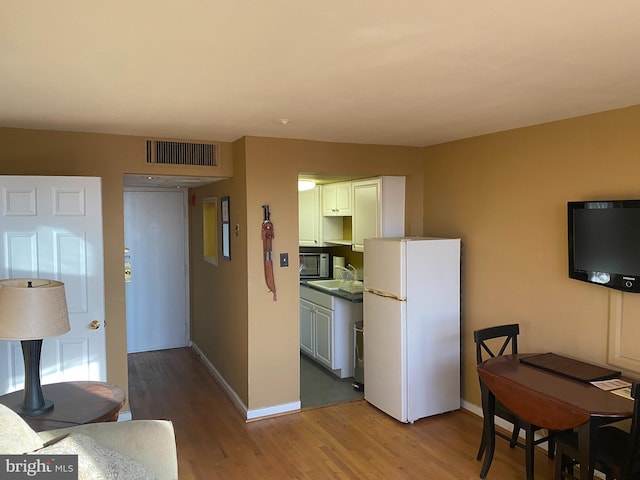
337	199
378	209
309	218
326	329
307	327
314	229
324	336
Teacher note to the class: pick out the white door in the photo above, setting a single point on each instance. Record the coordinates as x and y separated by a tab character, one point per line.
155	232
52	228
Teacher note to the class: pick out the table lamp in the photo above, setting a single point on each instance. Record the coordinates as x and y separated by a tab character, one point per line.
32	309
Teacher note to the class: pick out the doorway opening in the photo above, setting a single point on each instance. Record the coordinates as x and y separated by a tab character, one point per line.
156	268
320	386
157	259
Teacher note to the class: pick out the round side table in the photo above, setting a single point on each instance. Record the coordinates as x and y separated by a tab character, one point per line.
74	403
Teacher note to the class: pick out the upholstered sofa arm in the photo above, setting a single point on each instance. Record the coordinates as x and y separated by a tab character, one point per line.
149	442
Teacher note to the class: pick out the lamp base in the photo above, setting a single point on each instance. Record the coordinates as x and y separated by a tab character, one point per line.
34	403
34	412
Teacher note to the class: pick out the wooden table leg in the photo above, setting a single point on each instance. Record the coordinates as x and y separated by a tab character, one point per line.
585	435
489	430
529	452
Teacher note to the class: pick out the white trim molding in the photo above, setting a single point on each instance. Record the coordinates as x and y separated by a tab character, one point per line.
253	414
284	408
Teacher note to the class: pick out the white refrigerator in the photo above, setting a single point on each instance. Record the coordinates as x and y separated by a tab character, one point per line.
411	318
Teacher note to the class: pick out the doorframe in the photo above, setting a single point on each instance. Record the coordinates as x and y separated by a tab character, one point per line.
185	206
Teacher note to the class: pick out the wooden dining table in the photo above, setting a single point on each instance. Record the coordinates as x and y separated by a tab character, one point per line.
549	400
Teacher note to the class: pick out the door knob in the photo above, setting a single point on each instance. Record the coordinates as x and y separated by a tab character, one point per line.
95	325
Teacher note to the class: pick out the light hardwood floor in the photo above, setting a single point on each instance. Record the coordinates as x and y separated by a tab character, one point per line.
348	441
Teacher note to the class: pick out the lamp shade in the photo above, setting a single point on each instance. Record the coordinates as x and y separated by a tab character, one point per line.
32	308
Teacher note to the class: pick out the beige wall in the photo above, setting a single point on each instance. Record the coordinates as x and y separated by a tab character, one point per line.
505	195
269	169
250	339
35	152
219	298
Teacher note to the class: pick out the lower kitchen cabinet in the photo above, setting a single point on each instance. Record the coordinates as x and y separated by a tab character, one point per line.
307	327
324	337
326	330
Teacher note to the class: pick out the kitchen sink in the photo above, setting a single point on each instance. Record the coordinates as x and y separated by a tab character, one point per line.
333	284
350	286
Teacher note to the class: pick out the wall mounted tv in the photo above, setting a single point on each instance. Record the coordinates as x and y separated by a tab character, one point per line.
604	243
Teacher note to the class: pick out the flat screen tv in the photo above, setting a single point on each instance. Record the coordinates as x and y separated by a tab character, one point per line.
604	243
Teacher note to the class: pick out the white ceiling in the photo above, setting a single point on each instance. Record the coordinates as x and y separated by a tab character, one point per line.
409	72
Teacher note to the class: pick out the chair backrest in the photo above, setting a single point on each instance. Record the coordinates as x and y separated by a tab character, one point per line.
508	334
634	434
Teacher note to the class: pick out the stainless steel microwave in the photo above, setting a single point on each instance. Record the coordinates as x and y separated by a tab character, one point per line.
314	265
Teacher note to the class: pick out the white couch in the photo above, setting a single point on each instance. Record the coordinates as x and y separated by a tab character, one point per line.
137	449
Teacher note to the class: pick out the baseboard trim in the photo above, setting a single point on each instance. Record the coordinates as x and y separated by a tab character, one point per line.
219	379
276	410
249	414
471	408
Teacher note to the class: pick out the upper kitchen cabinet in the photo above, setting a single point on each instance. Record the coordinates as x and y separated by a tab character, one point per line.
315	230
309	219
337	199
378	209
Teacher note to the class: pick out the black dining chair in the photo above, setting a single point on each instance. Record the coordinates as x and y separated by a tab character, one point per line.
493	342
617	452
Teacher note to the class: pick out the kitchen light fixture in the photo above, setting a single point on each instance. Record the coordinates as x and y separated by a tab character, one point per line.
305	185
32	309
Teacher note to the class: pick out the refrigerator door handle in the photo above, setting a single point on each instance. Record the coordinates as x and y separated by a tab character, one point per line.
382	293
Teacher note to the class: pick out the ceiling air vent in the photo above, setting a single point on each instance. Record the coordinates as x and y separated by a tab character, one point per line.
182	153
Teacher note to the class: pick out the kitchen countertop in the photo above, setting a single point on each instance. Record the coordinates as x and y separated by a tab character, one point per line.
349	297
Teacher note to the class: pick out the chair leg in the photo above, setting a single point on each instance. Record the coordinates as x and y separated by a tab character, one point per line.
482	447
551	444
514	434
559	466
563	466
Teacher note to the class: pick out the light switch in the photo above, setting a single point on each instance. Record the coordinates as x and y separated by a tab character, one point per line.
284	259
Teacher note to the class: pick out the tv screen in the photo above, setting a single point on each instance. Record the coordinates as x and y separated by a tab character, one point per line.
604	243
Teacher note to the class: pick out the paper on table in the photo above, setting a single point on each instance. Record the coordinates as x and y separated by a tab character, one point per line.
623	392
611	384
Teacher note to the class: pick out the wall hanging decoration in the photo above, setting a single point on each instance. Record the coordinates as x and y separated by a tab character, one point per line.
267	250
